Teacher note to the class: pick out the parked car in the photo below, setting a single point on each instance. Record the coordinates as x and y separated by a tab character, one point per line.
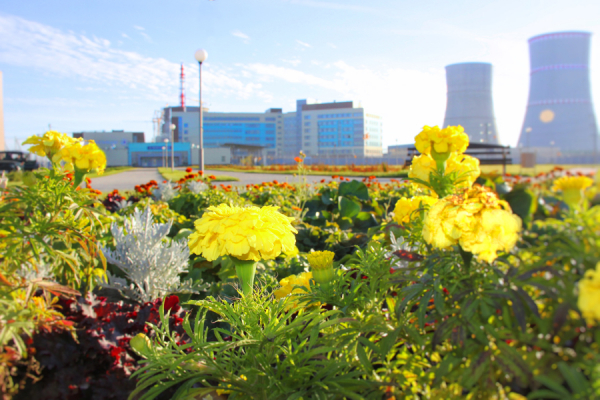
17	161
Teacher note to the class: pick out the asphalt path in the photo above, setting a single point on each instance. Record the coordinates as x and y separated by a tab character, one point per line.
128	179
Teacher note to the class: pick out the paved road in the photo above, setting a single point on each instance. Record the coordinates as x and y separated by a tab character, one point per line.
128	179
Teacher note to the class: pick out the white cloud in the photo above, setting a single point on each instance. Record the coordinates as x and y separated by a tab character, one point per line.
333	46
241	35
139	28
33	45
406	99
331	5
126	36
294	62
300	42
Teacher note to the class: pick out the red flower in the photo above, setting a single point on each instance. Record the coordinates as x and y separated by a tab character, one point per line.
171	302
188	170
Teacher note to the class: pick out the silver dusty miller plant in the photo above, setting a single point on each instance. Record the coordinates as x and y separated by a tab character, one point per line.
197	187
164	192
151	261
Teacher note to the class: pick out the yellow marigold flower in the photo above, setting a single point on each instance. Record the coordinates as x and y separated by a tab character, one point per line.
421	167
246	233
321	264
406	206
451	139
49	143
320	259
476	220
589	295
466	167
572	188
572	182
84	158
293	285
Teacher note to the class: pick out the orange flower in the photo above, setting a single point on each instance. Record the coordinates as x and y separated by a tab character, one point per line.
322	180
296	208
298	159
212	177
334	176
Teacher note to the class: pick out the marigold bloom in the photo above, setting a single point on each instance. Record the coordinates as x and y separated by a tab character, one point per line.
406	206
572	188
82	158
589	295
294	285
476	220
421	167
451	139
249	233
466	167
49	143
298	159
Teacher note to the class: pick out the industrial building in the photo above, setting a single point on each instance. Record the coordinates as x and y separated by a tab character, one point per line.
560	120
115	144
246	130
325	132
469	101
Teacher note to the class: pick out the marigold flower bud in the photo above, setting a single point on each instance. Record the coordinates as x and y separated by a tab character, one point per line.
321	264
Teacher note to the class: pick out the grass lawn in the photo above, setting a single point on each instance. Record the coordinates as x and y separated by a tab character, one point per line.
110	171
176	175
518	170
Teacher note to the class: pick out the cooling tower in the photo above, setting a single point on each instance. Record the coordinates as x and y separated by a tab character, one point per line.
559	113
469	101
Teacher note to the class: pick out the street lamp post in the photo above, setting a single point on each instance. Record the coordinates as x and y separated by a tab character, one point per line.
166	152
172	148
200	56
164	161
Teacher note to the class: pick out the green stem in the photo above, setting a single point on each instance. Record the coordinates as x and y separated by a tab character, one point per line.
245	271
466	256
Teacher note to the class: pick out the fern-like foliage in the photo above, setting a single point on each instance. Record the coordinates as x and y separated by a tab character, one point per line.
165	191
151	261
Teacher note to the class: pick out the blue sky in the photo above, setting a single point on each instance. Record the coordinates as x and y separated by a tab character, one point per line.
103	65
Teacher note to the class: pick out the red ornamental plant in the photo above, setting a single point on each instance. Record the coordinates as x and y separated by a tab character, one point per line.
97	365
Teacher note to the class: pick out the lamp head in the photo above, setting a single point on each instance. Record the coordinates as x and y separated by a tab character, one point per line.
200	55
173	127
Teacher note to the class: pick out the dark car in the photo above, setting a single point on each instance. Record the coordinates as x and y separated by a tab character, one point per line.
17	161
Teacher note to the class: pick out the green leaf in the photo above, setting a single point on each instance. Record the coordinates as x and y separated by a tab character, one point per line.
362	356
523	202
575	379
555	386
348	208
354	188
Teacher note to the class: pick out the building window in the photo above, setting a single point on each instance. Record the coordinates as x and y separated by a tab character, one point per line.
307	124
307	117
306	130
185	125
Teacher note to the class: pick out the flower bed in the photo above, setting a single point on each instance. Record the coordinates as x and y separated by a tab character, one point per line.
450	285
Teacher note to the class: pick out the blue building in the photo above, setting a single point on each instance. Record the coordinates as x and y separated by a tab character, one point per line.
323	131
158	154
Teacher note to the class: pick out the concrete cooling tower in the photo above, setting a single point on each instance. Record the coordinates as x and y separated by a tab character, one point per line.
559	113
469	101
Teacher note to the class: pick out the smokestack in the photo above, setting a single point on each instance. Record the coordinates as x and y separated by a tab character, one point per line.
182	96
469	102
560	113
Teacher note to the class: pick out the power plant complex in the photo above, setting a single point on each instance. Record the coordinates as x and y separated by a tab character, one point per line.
560	114
559	126
469	101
